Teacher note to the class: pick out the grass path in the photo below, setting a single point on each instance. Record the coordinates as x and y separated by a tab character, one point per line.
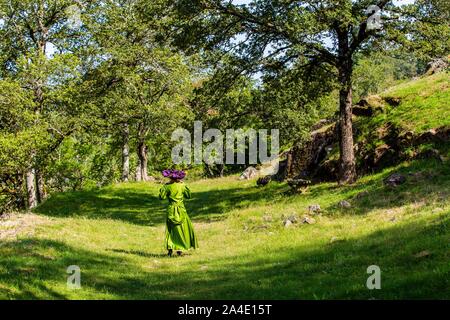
115	235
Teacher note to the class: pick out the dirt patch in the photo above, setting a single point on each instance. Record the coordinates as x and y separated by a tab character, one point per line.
15	224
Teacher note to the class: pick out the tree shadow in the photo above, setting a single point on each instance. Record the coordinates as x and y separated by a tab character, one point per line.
130	205
334	271
426	181
213	205
140	207
29	267
331	271
140	253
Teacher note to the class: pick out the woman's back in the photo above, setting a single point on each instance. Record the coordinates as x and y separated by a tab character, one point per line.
175	192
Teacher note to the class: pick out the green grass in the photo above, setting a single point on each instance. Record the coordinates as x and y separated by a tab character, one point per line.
424	104
116	236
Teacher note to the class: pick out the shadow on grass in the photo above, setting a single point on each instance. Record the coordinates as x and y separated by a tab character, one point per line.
333	271
139	204
30	267
142	206
140	253
426	180
130	205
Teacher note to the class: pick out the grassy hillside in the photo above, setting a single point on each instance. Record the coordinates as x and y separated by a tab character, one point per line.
415	106
116	237
423	103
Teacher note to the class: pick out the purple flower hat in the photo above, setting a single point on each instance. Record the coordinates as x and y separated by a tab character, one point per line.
174	174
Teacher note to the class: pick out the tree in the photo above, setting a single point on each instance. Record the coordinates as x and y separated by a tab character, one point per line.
29	29
314	32
139	83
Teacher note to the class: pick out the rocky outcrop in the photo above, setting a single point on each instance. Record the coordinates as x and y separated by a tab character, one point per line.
304	161
437	65
367	108
318	160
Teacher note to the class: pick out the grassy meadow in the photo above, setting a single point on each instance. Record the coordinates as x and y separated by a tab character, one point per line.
115	235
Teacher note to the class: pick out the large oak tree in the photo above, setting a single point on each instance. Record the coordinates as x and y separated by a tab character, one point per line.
315	32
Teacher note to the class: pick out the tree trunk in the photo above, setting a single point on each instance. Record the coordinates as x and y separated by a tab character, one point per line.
40	185
31	188
126	154
347	168
347	174
221	169
138	171
143	160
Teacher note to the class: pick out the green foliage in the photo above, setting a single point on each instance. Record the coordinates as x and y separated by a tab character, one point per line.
378	71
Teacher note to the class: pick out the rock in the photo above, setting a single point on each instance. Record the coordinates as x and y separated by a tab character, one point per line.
248	173
406	138
430	154
293	218
394	180
393	101
308	220
428	136
422	254
344	204
287	223
314	209
362	194
307	157
363	109
299	185
382	152
436	65
263	181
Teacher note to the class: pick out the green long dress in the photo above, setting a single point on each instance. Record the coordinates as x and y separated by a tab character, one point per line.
180	233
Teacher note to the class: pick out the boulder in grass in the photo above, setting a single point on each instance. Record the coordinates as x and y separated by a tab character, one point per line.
248	173
263	181
314	209
308	220
362	194
293	218
436	65
299	185
395	180
287	223
345	204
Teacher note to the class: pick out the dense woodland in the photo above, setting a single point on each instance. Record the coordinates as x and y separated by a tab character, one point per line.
91	91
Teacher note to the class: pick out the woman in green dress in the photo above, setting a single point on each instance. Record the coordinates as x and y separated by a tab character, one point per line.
180	233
